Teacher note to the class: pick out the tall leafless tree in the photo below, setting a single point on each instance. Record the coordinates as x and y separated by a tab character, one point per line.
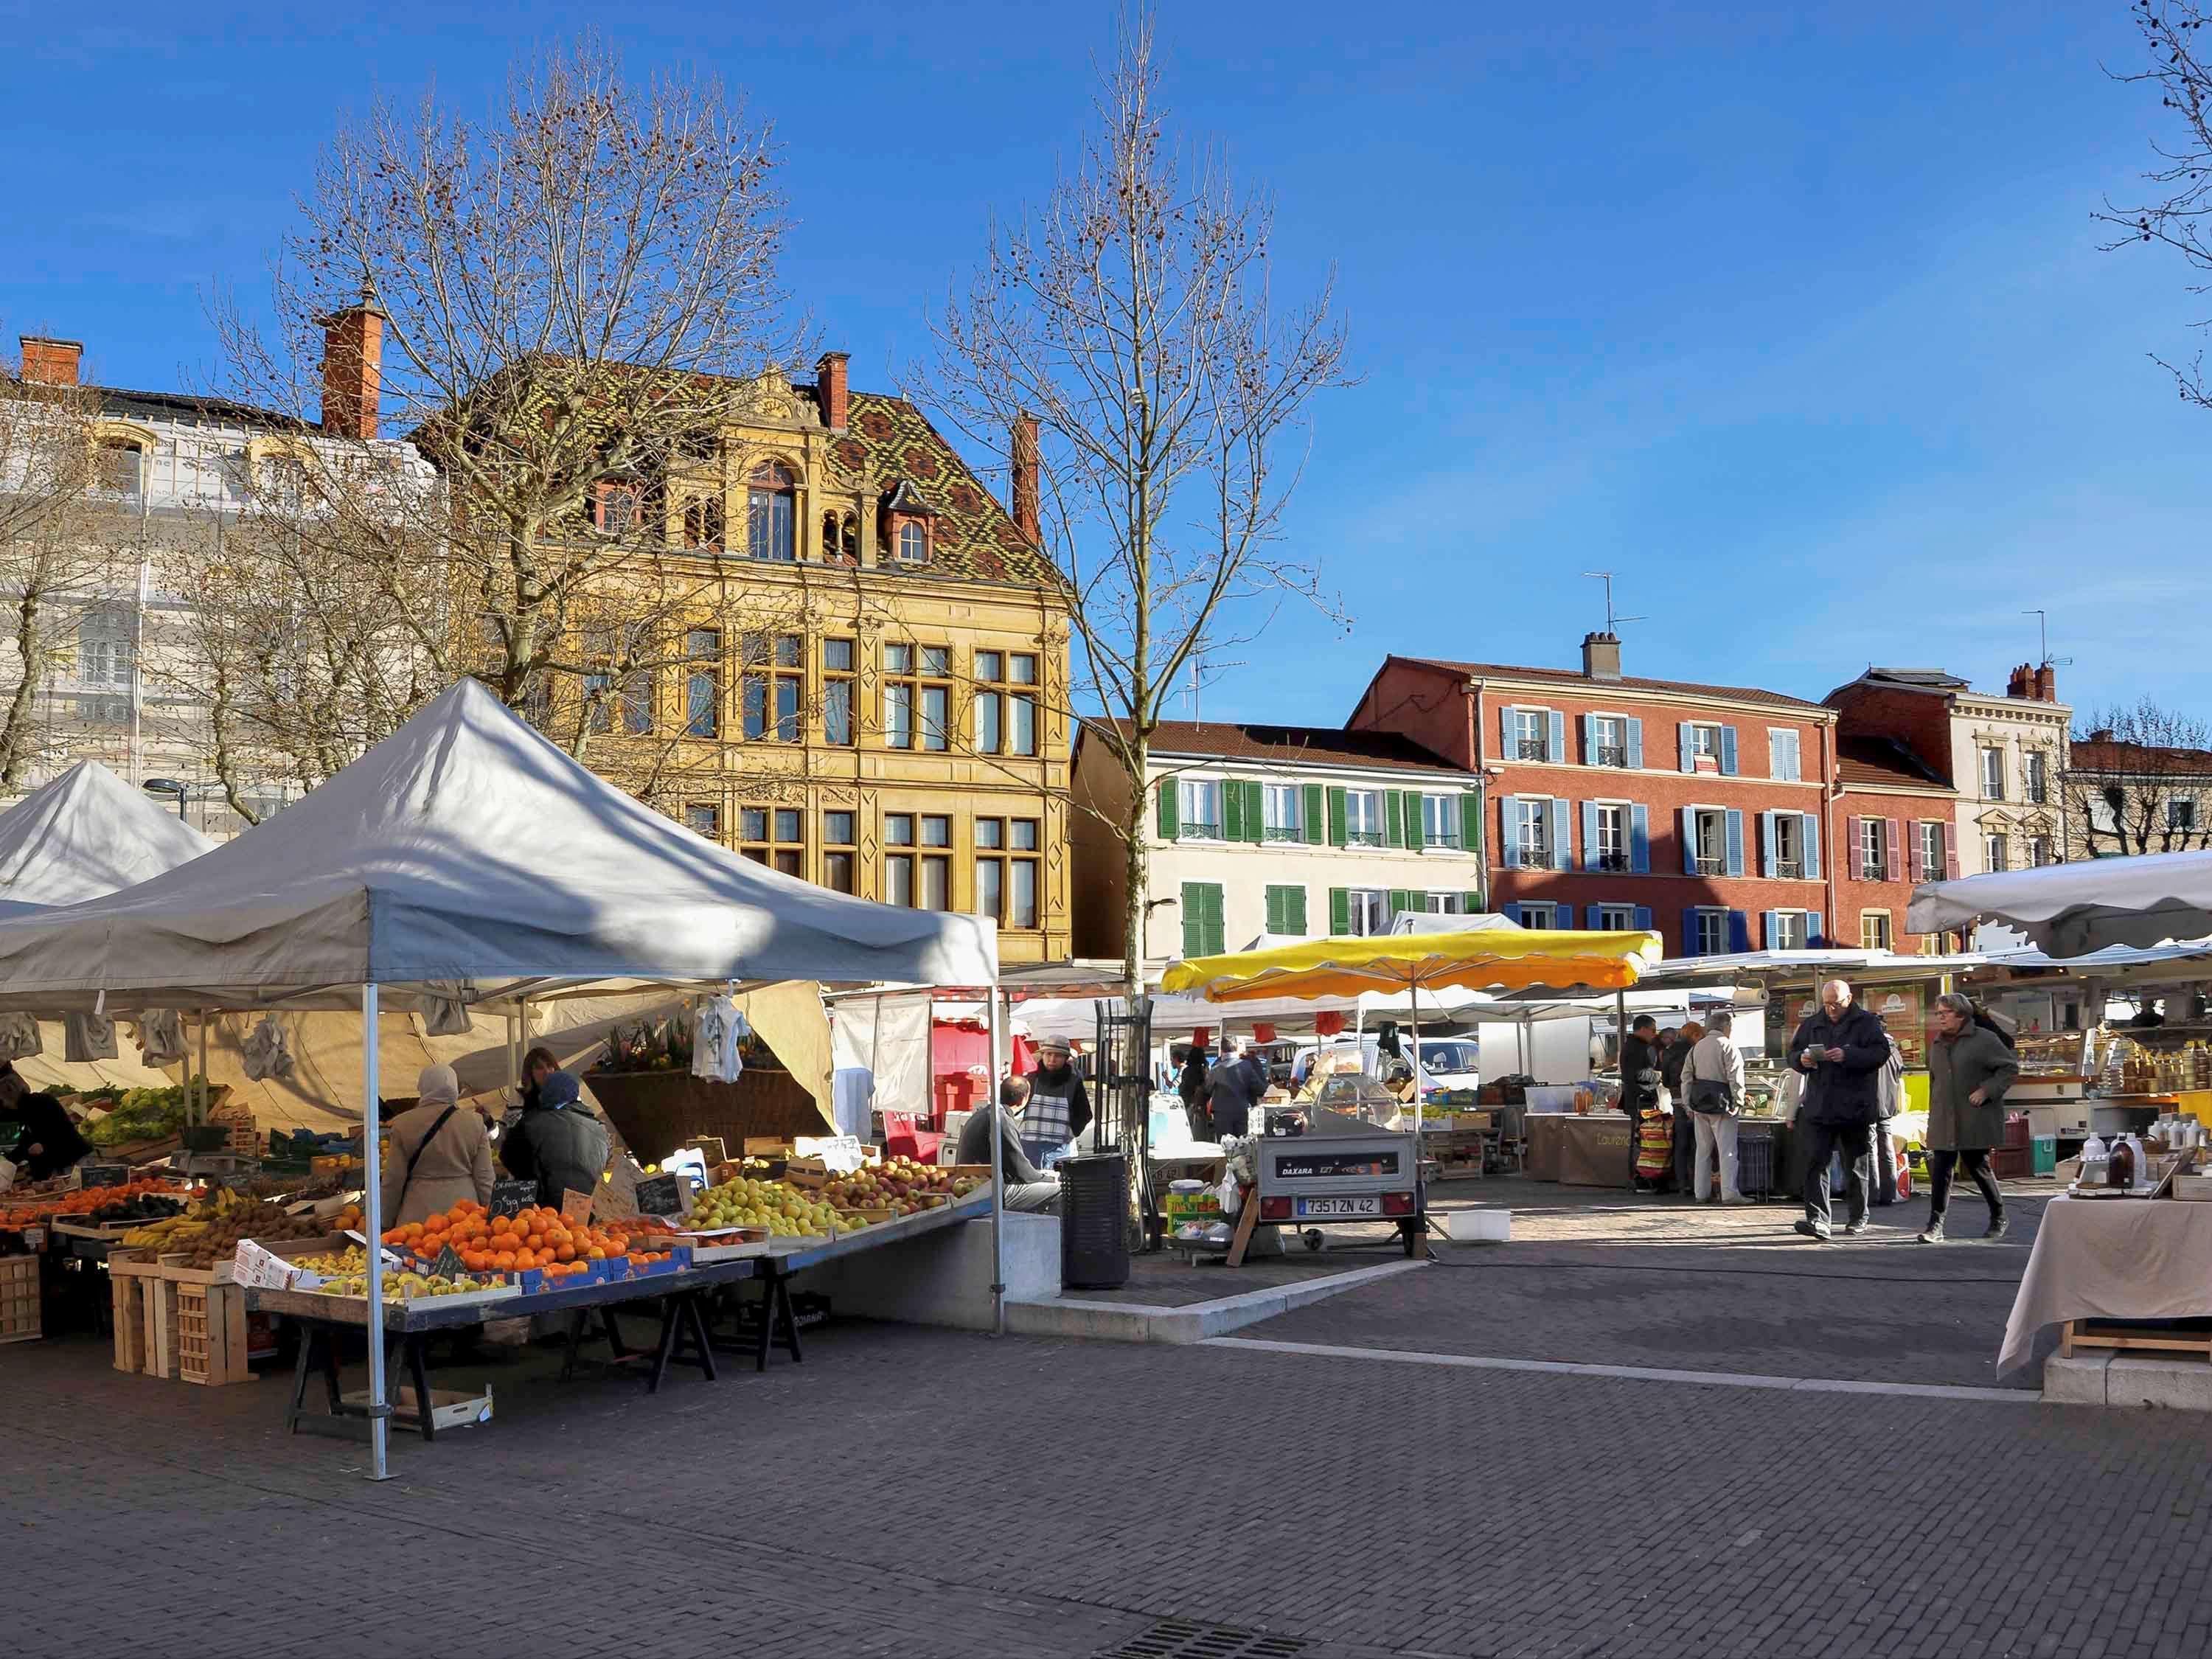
2140	780
575	295
1132	315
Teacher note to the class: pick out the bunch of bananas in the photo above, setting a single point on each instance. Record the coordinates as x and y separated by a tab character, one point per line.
197	1222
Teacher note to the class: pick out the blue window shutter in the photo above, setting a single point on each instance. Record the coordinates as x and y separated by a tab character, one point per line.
1510	911
1739	932
1769	923
1689	757
1816	933
1728	751
1589	834
1589	740
1563	846
1555	748
1509	833
1642	918
1735	841
1811	847
1688	819
1639	840
1766	844
1590	918
1690	932
1636	743
1506	735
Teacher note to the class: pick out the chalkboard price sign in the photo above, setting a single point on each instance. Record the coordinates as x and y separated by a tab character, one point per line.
512	1197
102	1174
661	1194
448	1263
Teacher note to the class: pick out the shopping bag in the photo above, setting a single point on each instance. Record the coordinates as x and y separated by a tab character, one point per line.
1655	1146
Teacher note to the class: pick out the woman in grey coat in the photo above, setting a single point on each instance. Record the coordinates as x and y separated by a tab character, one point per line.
1969	1069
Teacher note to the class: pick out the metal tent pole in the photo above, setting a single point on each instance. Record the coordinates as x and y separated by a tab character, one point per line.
203	1068
371	1207
997	1170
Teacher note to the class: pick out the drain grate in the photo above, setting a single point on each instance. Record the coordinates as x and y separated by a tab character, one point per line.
1183	1638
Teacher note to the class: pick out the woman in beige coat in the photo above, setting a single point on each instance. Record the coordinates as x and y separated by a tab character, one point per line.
439	1153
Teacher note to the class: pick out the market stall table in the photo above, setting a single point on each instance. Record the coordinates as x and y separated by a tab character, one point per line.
1592	1149
2119	1258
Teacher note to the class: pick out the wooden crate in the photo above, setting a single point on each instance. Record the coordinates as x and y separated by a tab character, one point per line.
211	1334
145	1305
21	1320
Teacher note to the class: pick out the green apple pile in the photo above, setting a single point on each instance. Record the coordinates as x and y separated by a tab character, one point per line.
743	1201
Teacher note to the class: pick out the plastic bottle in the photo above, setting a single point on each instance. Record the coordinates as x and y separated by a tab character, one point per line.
2095	1162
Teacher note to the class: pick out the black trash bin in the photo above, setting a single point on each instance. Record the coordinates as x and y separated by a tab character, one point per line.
1094	1222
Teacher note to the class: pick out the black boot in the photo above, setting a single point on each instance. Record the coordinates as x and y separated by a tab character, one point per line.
1996	1224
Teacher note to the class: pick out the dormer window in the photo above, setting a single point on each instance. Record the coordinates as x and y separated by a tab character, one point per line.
908	522
617	508
771	513
913	544
120	465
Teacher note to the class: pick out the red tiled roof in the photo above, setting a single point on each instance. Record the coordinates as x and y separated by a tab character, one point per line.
1314	745
1494	671
1882	761
2137	759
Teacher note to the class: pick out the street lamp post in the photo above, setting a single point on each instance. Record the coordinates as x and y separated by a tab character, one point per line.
175	787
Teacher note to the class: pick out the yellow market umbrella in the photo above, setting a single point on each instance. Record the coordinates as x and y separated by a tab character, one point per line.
1479	959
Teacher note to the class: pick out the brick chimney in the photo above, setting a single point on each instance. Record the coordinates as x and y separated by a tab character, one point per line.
352	368
52	362
1601	656
831	390
2046	684
2102	734
2022	682
1025	505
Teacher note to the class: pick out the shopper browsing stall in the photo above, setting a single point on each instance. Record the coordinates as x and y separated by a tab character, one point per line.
1712	1082
557	1142
1970	1067
440	1153
1028	1187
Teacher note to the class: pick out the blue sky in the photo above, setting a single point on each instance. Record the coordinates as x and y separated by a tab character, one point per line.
1796	320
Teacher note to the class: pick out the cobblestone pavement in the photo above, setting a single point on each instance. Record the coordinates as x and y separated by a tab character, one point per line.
918	1492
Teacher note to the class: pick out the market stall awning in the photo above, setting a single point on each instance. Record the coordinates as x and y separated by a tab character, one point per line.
1500	958
84	836
2072	910
468	858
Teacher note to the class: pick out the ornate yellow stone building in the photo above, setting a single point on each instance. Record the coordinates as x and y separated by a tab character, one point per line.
870	685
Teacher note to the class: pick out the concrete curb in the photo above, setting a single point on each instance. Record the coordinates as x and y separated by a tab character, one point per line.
1137	1321
2129	1381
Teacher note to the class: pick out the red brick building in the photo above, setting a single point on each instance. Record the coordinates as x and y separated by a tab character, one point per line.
1890	824
1701	812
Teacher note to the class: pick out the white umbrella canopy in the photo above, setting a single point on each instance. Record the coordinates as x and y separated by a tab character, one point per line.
84	836
465	857
2072	910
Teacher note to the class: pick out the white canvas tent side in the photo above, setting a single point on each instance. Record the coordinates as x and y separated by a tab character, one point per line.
84	836
2073	909
464	859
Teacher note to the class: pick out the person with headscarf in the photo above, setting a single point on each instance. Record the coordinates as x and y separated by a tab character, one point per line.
440	1153
49	1142
1969	1069
558	1142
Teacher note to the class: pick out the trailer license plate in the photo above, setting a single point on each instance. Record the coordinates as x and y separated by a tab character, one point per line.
1363	1204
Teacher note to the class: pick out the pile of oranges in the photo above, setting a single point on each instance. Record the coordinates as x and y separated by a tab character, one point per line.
538	1238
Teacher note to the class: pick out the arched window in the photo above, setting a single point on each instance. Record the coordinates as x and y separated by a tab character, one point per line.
771	502
913	544
121	466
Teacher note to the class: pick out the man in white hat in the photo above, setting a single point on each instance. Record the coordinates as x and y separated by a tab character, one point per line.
1059	1108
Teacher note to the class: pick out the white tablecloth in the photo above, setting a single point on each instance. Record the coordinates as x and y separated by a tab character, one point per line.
2125	1258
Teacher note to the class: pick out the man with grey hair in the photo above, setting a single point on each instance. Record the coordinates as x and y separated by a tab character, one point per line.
1712	1086
1841	1051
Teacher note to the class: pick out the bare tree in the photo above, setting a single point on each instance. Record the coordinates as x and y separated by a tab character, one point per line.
2176	214
1131	317
57	552
2140	780
573	298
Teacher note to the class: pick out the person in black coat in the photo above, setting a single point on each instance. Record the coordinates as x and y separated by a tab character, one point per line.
1192	1086
49	1143
1841	1051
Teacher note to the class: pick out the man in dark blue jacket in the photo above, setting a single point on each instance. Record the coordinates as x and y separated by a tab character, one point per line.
1841	1050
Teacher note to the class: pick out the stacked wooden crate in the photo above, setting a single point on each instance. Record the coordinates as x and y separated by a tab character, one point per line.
20	1313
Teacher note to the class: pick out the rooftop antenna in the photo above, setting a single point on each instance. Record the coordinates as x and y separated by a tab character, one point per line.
2043	639
1612	621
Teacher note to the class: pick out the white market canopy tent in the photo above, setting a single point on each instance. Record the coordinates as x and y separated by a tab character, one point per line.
84	836
2075	909
465	857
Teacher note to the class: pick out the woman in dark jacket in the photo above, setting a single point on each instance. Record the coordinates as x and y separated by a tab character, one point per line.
49	1143
557	1142
1969	1069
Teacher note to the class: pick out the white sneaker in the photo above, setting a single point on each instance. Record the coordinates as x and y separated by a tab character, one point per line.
1737	1198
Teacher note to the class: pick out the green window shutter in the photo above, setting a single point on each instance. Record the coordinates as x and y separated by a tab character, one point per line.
1340	912
1215	943
1274	909
1294	913
1167	794
1401	899
1232	810
1256	812
1470	822
1337	837
1316	814
1394	818
1201	919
